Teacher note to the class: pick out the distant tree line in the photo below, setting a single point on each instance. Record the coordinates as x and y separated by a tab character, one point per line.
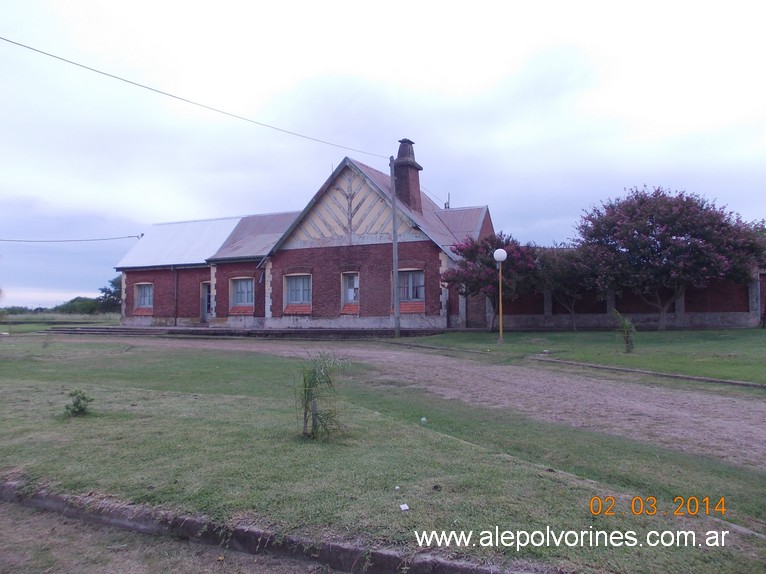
107	302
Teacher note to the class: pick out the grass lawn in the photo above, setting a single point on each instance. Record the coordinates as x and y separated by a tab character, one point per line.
217	432
725	354
31	323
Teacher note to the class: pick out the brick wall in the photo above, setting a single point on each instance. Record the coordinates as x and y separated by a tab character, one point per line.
590	303
372	262
190	291
476	312
723	304
631	303
763	299
524	304
177	293
224	273
164	291
719	297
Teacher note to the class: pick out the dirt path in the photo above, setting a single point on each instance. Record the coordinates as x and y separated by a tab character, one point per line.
728	426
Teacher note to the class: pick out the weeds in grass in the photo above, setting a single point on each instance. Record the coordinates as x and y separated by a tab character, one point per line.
79	405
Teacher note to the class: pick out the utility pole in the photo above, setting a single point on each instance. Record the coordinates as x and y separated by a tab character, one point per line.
395	245
500	255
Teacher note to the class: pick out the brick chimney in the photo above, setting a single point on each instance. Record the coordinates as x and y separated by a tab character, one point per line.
407	177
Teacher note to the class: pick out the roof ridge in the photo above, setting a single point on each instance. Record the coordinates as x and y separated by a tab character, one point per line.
356	161
228	217
462	208
198	220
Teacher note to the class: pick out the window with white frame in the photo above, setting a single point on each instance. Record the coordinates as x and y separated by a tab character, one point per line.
350	286
144	295
241	292
411	286
297	289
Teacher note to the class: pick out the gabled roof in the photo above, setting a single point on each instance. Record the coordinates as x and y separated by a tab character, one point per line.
442	226
180	243
189	243
255	236
464	221
439	225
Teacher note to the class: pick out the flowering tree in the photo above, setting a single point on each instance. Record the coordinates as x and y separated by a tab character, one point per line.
476	271
658	244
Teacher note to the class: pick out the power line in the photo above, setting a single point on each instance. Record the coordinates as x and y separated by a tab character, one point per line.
432	194
71	240
185	100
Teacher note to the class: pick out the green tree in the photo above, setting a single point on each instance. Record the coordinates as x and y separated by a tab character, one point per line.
657	244
110	299
78	306
18	310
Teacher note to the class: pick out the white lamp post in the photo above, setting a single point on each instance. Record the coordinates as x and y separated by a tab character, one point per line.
500	255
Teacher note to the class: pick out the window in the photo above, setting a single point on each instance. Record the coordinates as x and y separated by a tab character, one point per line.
144	295
298	289
411	286
350	288
241	292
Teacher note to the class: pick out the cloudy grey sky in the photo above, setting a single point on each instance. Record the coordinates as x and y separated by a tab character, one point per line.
538	109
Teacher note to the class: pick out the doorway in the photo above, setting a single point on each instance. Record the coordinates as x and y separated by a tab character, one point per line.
206	302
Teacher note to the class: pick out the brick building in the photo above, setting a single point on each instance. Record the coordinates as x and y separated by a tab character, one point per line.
328	266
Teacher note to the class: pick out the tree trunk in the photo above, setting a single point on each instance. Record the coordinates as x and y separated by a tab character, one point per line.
574	320
663	318
663	307
495	314
569	304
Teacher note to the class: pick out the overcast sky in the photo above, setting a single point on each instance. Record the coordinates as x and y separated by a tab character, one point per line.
538	109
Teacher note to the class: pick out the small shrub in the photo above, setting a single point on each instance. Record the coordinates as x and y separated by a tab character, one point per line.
626	328
316	398
79	405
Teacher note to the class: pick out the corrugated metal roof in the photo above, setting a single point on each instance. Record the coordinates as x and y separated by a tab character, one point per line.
255	236
181	243
463	221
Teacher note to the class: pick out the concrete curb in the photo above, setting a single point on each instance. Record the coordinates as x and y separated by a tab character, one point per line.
653	373
242	538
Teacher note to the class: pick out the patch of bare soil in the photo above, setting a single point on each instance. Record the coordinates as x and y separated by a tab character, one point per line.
723	425
33	542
